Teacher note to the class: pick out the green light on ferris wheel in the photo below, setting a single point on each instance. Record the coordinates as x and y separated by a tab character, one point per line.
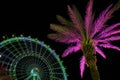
26	58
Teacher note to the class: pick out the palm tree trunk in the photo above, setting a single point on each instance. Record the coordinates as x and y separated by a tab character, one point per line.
89	52
94	71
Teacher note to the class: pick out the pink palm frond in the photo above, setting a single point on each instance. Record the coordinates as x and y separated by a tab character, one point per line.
100	52
111	27
110	46
65	31
82	65
73	18
60	29
108	29
112	38
61	38
76	20
102	19
110	33
89	16
64	21
71	49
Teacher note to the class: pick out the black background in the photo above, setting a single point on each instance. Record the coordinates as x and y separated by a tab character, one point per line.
32	18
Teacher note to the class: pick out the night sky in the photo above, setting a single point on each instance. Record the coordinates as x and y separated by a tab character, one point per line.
33	19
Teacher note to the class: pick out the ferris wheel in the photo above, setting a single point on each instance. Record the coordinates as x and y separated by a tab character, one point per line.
26	58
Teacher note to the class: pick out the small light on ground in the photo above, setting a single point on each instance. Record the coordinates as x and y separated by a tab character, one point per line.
0	56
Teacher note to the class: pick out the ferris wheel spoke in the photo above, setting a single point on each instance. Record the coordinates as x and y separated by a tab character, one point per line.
29	77
40	52
35	50
43	55
31	47
26	46
3	62
36	47
5	58
56	78
41	63
47	57
22	76
18	41
56	63
44	68
15	48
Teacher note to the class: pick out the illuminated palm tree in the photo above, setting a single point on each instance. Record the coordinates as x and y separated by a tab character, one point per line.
89	35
